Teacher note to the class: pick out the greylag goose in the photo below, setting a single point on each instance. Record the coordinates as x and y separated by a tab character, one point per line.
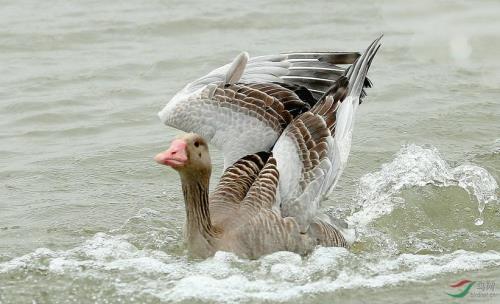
284	124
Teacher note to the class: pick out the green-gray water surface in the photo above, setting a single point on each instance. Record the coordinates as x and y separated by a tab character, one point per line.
86	216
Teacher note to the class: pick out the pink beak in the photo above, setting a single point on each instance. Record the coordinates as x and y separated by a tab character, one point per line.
175	156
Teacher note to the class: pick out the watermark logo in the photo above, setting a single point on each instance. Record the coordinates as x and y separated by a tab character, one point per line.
468	285
482	289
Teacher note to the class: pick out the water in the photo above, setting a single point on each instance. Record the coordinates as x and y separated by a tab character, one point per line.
86	215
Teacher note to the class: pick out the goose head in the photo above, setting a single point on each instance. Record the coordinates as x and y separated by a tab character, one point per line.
187	154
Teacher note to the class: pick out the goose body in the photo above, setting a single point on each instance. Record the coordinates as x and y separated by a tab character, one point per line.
284	124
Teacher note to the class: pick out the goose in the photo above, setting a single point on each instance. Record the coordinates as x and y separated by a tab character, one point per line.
284	125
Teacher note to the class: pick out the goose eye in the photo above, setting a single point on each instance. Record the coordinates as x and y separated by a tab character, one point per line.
196	144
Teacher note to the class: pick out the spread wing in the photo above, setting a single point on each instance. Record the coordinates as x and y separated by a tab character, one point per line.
313	149
244	106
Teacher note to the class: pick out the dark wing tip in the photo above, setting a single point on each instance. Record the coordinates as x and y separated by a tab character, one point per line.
264	156
259	158
338	90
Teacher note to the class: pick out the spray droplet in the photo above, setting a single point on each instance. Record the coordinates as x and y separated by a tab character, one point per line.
479	221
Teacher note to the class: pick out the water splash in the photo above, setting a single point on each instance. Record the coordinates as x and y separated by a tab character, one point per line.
419	166
117	266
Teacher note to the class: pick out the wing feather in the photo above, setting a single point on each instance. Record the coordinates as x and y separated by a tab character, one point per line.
262	193
238	178
301	155
232	121
312	151
239	119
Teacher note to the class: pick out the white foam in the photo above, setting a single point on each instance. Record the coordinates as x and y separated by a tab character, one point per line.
416	166
281	276
25	261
